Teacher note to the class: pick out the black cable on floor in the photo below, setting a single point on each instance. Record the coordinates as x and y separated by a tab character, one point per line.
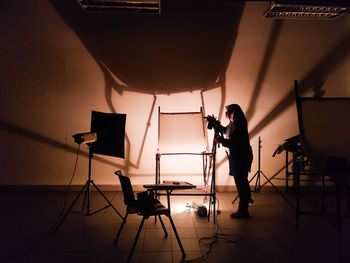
212	240
67	189
44	237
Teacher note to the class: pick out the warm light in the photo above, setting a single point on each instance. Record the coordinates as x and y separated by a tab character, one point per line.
178	208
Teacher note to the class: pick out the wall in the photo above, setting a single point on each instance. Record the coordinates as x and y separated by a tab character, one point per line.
51	80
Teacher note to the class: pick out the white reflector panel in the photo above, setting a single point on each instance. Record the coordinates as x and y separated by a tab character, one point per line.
181	133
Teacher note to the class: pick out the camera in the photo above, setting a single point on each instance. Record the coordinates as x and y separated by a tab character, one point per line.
213	123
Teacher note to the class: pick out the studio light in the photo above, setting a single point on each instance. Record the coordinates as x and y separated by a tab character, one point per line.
107	137
86	137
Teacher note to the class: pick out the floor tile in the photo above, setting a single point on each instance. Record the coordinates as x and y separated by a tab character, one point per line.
269	236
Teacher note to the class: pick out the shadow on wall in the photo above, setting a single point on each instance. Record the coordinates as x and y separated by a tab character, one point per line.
188	47
270	47
313	80
185	48
14	129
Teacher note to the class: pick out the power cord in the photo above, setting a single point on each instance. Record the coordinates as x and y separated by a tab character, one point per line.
45	236
67	189
209	242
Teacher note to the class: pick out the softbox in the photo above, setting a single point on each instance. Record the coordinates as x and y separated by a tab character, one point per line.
110	129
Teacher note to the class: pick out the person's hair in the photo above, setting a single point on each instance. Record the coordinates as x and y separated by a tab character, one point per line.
239	120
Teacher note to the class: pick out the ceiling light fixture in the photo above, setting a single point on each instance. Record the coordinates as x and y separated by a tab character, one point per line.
121	6
292	11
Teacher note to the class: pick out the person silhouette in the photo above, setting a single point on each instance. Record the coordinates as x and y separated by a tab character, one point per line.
240	154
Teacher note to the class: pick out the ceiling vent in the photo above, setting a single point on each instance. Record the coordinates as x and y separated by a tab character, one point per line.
292	11
121	6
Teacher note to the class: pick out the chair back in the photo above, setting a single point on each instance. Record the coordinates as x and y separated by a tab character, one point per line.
129	198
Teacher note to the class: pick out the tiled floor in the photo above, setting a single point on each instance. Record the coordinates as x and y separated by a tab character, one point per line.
269	236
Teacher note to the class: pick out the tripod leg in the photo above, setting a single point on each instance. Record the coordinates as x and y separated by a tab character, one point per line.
70	208
210	199
256	190
234	200
285	198
101	193
257	184
85	198
214	206
88	198
251	179
209	210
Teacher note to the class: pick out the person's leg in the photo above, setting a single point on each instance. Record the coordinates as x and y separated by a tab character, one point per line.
237	182
242	184
245	194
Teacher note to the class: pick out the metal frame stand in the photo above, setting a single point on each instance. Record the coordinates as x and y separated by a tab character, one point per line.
258	173
86	189
211	194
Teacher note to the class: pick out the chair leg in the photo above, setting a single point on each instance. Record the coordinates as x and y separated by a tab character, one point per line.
161	221
120	229
177	236
136	238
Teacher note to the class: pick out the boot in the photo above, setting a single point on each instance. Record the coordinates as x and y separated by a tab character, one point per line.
240	214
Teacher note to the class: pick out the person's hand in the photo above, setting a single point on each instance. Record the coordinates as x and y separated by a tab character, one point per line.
219	139
211	118
212	122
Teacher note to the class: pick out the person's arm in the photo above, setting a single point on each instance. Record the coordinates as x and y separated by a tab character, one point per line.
225	142
214	123
229	143
221	129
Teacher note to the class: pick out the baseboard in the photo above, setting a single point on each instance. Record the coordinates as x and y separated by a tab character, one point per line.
6	188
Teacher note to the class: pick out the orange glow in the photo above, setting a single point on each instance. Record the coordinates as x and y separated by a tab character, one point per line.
254	67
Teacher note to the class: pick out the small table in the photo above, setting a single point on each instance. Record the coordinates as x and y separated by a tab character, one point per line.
169	186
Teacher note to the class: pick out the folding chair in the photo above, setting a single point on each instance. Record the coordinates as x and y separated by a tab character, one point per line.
145	205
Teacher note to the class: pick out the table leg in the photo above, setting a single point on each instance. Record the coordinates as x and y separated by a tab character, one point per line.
168	199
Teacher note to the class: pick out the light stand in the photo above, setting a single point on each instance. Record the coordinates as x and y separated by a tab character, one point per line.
257	175
212	199
258	172
86	189
79	138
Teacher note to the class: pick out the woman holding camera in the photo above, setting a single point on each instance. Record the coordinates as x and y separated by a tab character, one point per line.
240	154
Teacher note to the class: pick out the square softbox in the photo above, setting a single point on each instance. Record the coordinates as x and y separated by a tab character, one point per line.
110	129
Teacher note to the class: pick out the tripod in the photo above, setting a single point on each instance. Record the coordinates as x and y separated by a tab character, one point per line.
86	189
212	199
258	174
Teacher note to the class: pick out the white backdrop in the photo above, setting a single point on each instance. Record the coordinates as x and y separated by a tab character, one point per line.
181	133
